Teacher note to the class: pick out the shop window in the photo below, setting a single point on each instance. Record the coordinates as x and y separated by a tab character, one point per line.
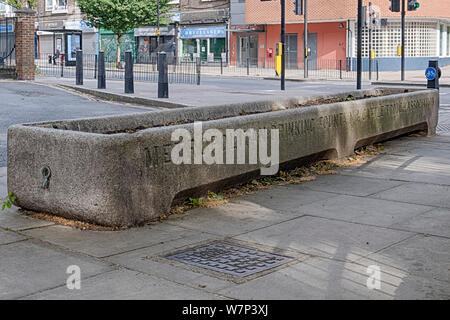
441	40
217	46
189	49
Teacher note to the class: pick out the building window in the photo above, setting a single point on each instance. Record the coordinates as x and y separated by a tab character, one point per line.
420	39
448	41
61	4
48	5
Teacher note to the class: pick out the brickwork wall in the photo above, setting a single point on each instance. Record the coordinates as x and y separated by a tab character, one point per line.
25	44
261	12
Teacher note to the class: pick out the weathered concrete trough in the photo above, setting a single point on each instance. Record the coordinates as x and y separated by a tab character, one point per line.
118	171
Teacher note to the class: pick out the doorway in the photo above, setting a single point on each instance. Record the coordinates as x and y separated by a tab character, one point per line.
312	51
248	47
291	51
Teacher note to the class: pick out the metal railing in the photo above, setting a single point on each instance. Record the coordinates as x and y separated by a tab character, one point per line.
49	64
7	46
329	69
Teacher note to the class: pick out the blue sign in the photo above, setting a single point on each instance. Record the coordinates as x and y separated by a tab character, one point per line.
430	73
3	28
205	32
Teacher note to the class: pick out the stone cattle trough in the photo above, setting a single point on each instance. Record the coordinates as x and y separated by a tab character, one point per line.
118	171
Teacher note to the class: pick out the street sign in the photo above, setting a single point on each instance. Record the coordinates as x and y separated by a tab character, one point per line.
157	32
430	73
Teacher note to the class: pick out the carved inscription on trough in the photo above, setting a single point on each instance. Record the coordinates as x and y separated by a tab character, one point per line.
157	156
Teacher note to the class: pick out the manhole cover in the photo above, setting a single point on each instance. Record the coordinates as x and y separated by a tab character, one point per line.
229	257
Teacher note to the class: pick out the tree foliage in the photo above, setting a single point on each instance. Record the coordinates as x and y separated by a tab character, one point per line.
121	16
23	3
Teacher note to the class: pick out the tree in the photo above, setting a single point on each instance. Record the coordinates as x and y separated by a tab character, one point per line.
121	16
23	3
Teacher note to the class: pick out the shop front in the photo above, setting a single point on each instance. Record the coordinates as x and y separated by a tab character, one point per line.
147	43
207	43
56	43
248	45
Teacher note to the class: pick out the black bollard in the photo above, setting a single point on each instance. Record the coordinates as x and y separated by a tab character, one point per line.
163	77
79	68
129	82
433	73
101	80
198	66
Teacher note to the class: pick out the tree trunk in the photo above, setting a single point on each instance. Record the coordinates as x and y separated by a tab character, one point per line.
119	38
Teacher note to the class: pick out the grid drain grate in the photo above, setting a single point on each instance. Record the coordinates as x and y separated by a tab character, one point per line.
229	257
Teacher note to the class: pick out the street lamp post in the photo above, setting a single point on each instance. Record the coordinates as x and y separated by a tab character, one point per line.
359	47
305	39
403	41
157	24
282	40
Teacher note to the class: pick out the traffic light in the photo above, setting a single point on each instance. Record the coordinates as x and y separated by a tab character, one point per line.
374	16
413	5
298	7
395	5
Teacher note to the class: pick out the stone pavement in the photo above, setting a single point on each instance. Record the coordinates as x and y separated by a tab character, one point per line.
417	76
392	212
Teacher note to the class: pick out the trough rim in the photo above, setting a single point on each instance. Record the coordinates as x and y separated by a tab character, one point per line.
43	126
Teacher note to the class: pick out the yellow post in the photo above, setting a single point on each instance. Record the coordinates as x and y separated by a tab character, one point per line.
278	58
399	51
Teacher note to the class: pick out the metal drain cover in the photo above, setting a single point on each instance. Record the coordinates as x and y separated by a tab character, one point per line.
229	257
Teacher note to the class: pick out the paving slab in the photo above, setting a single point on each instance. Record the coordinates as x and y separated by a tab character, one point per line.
357	186
418	193
149	262
14	220
436	151
412	168
106	243
326	238
28	267
319	278
364	210
236	217
284	198
434	222
126	285
422	256
9	237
